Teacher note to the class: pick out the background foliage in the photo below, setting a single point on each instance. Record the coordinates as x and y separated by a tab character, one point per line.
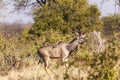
63	15
53	21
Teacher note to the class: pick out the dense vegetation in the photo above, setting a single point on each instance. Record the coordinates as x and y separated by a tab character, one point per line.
53	23
60	16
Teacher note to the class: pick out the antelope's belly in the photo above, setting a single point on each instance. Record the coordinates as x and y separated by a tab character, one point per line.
54	53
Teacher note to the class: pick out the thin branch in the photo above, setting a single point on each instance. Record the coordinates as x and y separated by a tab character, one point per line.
102	4
39	2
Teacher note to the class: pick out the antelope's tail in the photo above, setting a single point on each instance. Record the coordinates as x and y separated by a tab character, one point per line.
41	58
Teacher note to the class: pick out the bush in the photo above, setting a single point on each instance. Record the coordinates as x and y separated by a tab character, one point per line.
63	15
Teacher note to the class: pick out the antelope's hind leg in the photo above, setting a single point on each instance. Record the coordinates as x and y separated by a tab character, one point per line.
64	60
46	64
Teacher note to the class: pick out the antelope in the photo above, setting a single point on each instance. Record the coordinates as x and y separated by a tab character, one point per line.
61	50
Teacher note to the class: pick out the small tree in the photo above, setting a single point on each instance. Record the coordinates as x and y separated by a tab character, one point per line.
63	15
111	24
103	64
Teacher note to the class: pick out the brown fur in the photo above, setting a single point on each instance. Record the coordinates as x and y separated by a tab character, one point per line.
60	50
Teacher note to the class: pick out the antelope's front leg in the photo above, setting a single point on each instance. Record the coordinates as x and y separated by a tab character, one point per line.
64	57
64	60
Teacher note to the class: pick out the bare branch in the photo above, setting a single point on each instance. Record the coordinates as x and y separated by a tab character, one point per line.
24	4
39	2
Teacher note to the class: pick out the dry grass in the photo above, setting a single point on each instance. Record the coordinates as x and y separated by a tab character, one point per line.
37	72
28	69
26	74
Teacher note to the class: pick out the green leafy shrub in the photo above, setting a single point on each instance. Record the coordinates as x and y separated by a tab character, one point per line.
102	64
111	25
63	15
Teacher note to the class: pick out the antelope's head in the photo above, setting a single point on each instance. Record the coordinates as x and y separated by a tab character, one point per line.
80	37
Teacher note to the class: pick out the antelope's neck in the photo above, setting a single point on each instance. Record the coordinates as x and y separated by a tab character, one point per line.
72	45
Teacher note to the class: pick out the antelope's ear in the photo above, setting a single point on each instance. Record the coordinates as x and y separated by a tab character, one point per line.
76	34
83	35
